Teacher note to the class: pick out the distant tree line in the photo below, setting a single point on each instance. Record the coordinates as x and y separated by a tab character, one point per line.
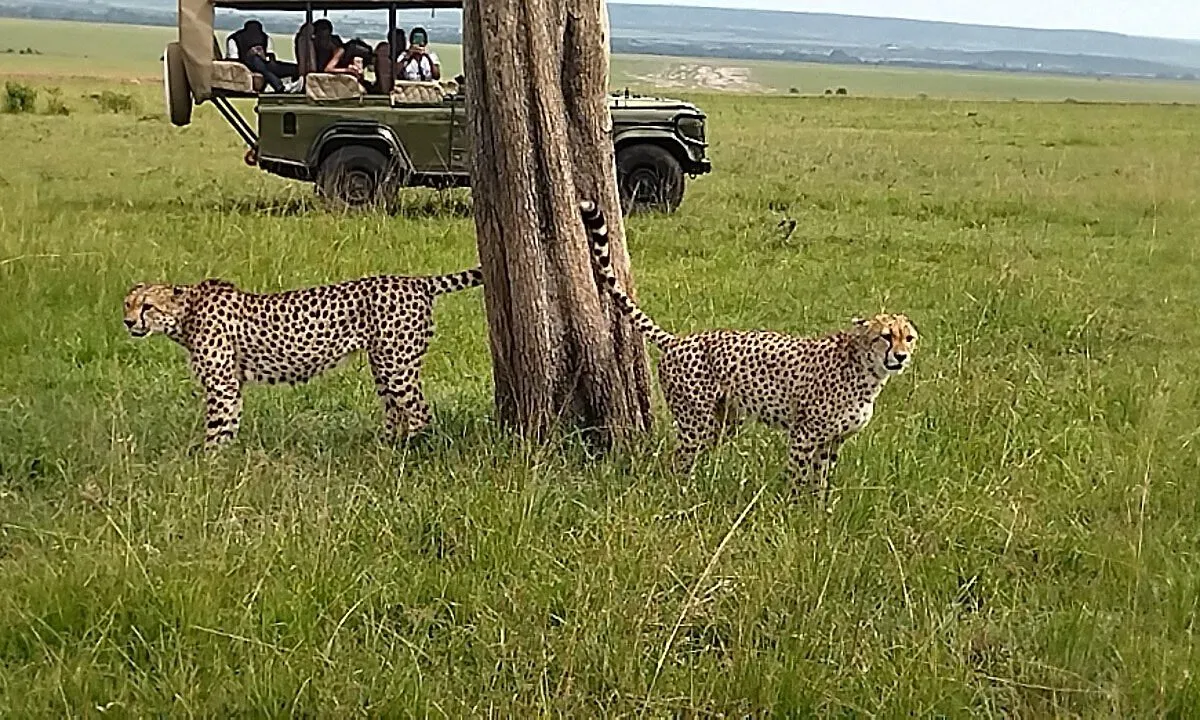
444	32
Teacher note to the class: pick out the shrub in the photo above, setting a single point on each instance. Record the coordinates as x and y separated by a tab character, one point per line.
828	91
841	91
19	98
54	102
794	90
115	102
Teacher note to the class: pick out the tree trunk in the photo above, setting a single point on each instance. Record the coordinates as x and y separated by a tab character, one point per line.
536	85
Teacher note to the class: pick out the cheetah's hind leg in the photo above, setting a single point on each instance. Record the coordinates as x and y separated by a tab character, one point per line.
696	424
406	414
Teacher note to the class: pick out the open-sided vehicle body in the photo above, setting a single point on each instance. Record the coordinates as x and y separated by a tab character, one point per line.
357	144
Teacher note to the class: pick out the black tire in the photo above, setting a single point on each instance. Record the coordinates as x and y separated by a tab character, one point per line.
355	176
177	92
649	178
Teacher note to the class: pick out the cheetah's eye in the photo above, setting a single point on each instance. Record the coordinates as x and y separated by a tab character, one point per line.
887	335
147	306
908	339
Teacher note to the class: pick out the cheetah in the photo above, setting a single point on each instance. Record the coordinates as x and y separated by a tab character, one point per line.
819	390
235	337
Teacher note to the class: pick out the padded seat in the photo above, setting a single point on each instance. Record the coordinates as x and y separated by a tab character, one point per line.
410	92
332	86
233	77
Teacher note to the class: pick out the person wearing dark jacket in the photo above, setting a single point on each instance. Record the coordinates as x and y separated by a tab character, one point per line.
252	47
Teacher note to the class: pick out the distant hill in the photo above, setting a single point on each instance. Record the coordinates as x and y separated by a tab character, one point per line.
755	34
829	32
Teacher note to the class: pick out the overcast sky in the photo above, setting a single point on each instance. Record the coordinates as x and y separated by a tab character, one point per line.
1156	18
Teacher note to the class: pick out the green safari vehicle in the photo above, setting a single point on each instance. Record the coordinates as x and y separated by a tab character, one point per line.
358	142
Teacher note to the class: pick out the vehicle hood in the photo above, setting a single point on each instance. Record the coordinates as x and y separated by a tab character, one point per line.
634	102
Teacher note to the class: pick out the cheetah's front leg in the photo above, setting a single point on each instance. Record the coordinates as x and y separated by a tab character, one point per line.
222	412
800	458
824	461
810	458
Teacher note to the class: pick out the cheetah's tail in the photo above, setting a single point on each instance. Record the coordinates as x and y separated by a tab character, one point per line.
442	284
593	220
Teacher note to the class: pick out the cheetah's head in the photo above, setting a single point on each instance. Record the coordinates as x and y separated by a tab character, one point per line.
154	309
889	339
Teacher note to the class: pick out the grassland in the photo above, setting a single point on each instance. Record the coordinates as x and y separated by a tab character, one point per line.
1015	534
125	52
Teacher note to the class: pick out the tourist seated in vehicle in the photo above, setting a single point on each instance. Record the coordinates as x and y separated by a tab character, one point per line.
325	44
335	56
304	49
418	62
252	47
397	38
385	70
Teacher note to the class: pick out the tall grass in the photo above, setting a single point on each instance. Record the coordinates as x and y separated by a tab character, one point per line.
1014	534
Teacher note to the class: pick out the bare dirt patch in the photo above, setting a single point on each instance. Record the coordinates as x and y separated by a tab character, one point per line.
691	75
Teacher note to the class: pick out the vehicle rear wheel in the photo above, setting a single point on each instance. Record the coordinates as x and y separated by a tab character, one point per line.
355	176
649	178
177	92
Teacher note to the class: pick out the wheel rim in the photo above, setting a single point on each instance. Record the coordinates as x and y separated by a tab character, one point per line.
357	187
644	186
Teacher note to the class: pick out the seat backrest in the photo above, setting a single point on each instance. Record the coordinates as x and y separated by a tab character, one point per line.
419	92
305	51
331	86
385	72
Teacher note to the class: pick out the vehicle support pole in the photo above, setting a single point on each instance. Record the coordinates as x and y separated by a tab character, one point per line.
310	35
234	118
393	51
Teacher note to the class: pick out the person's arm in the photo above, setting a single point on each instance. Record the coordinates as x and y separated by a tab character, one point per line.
353	68
398	67
331	66
436	67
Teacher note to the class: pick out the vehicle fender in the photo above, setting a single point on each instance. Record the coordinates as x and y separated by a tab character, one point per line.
364	132
664	137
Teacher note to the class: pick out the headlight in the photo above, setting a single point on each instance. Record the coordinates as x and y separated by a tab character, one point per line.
691	127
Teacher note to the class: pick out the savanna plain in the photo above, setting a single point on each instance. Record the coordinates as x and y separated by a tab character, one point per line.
1016	533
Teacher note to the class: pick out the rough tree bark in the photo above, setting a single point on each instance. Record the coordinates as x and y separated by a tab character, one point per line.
536	85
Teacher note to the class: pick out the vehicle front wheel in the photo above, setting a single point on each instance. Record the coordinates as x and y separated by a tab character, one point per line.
354	176
649	178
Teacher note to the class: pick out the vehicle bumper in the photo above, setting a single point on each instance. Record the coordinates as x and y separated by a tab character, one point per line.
701	167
